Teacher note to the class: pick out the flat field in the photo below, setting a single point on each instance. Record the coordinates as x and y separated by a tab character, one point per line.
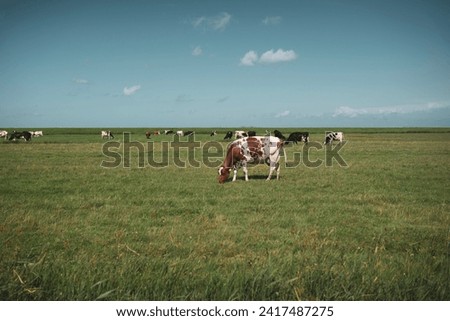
367	220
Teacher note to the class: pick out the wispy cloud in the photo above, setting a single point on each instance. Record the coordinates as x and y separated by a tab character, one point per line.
346	111
217	23
197	51
268	57
221	21
283	114
80	81
223	99
272	20
182	98
197	22
128	91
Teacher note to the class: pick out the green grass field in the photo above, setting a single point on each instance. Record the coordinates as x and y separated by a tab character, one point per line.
376	229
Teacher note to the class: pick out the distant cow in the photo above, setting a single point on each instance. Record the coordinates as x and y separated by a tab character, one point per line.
168	131
239	134
298	137
148	134
3	133
37	133
332	136
228	135
179	133
17	135
188	133
278	134
213	133
107	134
257	150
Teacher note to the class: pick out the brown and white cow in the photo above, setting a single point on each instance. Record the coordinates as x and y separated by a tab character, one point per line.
253	150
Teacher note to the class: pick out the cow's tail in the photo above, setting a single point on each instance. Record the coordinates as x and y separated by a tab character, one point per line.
279	146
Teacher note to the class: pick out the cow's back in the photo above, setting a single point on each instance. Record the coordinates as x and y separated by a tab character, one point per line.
261	147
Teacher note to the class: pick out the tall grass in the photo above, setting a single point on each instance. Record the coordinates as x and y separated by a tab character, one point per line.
377	229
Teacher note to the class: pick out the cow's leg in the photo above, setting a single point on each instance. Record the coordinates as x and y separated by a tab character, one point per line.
234	174
245	172
272	168
278	170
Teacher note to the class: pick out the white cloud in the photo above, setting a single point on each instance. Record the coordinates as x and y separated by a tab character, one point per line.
269	57
197	22
80	81
249	58
348	112
283	114
197	51
272	20
128	91
345	111
219	22
278	56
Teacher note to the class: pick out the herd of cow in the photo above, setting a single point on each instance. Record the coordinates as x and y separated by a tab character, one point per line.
247	147
294	137
26	134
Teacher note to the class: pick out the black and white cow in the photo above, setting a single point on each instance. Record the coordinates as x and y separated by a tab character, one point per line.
296	137
17	135
332	136
278	134
239	134
228	135
213	133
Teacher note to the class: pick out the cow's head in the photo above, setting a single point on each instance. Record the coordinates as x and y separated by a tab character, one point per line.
223	174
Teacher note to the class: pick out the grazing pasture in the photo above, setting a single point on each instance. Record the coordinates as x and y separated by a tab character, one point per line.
376	229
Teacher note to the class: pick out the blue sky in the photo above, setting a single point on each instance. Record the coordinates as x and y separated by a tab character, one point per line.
230	63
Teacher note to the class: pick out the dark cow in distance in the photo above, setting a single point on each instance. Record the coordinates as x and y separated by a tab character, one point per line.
228	135
278	134
298	137
17	135
255	149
